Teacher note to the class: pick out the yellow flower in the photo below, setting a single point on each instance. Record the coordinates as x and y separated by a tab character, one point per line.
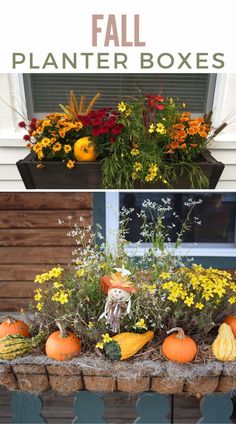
137	166
128	112
90	324
67	148
38	295
165	275
134	176
141	324
106	338
135	152
160	128
42	278
151	129
80	272
70	164
57	285
149	178
39	306
153	168
232	300
56	147
199	305
99	345
63	298
55	272
122	107
189	301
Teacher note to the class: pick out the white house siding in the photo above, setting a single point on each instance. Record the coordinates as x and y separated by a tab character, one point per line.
12	147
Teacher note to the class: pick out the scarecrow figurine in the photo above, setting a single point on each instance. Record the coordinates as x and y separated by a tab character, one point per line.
118	289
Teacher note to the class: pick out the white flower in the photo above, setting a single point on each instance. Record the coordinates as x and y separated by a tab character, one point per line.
123	271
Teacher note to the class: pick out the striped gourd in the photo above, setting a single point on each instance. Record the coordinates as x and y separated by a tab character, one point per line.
16	345
224	346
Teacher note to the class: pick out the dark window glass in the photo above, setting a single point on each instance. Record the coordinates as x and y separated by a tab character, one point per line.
216	212
44	92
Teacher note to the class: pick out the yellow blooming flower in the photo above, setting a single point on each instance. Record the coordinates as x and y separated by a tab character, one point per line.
90	324
38	295
55	272
122	107
160	128
141	324
134	176
99	345
189	301
232	300
57	147
106	338
135	152
67	148
149	177
70	164
39	306
57	285
137	166
128	111
41	278
80	272
199	305
151	129
165	275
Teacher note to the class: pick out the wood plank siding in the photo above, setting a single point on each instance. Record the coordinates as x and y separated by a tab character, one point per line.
31	239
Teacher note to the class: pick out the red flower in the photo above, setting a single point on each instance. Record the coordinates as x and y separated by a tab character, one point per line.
22	124
26	137
113	139
117	130
160	107
96	132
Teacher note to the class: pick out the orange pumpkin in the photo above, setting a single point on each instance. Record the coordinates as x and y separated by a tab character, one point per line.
62	345
178	347
12	326
84	150
231	321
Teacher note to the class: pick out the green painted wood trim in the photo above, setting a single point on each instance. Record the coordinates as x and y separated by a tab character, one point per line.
26	408
216	409
152	408
216	262
89	408
99	211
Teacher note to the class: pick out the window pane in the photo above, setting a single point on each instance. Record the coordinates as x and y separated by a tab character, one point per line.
45	91
216	212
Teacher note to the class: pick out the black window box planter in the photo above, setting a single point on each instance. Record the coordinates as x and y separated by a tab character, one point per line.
88	175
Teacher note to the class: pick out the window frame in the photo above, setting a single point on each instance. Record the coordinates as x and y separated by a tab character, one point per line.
186	249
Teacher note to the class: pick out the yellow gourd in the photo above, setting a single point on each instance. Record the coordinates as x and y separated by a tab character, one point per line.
224	346
125	345
84	150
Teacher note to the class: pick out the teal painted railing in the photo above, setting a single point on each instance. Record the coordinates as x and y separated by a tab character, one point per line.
88	407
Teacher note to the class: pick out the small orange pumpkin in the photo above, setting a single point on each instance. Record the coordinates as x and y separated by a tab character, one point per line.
12	326
231	321
62	345
84	150
178	347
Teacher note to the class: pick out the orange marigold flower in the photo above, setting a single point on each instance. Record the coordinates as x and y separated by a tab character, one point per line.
183	146
192	130
202	134
174	145
193	144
